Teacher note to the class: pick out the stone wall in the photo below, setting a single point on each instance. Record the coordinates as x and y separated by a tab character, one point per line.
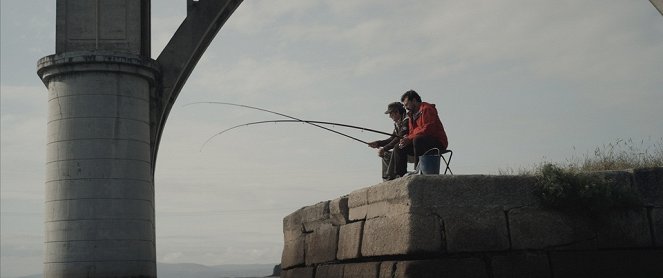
473	226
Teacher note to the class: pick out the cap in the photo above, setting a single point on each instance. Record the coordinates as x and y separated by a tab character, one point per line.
395	106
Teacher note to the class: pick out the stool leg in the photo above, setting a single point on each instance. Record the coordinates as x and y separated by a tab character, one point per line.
451	153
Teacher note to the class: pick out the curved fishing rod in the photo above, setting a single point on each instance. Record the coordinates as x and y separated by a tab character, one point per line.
276	113
299	121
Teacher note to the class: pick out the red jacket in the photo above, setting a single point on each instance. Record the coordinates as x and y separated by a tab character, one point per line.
427	122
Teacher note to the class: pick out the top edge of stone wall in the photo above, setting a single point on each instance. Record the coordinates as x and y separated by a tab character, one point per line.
505	192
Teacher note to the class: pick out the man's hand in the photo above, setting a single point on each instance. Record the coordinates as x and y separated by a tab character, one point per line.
404	142
381	152
373	144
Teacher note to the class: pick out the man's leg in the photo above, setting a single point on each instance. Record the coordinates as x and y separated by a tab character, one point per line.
387	166
400	160
423	144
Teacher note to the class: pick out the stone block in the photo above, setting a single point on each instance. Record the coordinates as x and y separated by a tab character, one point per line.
624	229
393	189
400	235
361	270
338	211
607	264
521	265
358	198
321	245
358	213
293	252
357	204
387	207
533	228
474	229
657	226
301	272
349	240
447	268
306	218
387	269
504	192
319	211
329	271
649	183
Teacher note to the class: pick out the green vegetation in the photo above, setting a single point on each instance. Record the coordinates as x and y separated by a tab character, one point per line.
566	189
574	185
623	154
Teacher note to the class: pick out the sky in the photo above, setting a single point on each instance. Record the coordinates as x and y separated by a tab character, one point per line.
515	82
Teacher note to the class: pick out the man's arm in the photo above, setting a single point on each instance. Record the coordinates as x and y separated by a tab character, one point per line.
425	123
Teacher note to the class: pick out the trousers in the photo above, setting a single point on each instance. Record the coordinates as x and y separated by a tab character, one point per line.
418	147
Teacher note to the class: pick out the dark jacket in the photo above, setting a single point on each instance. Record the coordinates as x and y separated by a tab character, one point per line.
400	130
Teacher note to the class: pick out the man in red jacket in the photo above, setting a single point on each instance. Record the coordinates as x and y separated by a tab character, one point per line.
425	131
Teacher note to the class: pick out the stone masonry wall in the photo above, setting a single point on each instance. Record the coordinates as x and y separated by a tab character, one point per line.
473	226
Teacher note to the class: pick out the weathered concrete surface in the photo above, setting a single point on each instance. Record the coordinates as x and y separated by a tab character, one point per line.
321	244
474	229
657	226
401	234
293	252
607	264
338	210
475	226
521	265
387	269
451	268
329	271
108	103
361	270
104	25
99	205
649	182
535	228
349	241
624	229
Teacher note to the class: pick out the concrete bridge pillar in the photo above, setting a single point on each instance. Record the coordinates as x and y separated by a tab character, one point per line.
99	205
108	102
99	219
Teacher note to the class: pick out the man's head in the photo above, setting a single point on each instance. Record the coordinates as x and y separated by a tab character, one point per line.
411	100
395	111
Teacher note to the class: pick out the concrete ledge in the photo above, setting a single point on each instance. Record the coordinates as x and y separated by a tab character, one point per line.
472	226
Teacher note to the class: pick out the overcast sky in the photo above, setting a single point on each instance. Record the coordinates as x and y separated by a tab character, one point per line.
516	82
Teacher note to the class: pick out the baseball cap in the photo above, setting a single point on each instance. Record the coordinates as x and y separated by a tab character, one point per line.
395	106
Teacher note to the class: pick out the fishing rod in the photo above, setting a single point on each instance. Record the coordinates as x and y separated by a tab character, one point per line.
276	113
301	121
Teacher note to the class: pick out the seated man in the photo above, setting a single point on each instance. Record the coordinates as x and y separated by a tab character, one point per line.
396	112
425	131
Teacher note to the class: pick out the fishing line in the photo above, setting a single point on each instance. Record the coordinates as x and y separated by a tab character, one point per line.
294	119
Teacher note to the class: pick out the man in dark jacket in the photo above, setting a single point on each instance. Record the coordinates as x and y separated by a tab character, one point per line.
425	131
396	112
